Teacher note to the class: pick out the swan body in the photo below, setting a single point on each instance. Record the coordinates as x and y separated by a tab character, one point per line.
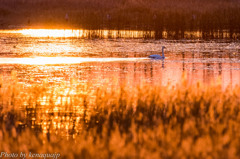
158	56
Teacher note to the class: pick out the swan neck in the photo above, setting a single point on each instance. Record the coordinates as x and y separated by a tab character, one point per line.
162	52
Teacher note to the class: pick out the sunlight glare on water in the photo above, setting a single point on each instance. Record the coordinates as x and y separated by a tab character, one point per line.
69	61
51	32
95	55
66	33
63	60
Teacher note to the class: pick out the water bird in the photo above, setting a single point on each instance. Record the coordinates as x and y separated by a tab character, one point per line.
158	56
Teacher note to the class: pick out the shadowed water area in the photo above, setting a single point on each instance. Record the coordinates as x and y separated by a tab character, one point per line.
109	58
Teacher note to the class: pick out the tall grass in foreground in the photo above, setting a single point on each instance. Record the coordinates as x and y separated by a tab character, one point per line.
181	121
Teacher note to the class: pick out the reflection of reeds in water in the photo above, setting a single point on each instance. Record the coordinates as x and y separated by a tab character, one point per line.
174	16
181	121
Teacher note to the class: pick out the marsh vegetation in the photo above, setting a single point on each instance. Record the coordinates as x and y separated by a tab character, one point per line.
208	16
182	121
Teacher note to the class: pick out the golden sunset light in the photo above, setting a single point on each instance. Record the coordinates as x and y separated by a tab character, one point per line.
73	33
125	79
63	60
53	33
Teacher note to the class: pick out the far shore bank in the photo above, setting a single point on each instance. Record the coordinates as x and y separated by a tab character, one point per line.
124	14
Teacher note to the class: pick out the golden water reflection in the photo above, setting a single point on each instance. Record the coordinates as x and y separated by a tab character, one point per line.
67	33
82	33
71	70
60	108
62	60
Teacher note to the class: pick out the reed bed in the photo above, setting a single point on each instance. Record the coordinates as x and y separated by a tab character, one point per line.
159	15
180	121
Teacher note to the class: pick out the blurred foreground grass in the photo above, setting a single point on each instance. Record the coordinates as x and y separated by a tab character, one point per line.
181	121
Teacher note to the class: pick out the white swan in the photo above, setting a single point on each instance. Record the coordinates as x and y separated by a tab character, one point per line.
158	56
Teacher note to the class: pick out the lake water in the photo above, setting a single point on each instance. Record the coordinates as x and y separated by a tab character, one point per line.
103	58
99	56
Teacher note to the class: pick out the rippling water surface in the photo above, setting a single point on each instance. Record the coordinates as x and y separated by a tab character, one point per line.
79	54
106	58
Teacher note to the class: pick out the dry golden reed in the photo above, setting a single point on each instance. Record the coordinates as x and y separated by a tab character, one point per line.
159	15
180	121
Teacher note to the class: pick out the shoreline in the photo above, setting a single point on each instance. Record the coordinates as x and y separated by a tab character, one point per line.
156	15
146	34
